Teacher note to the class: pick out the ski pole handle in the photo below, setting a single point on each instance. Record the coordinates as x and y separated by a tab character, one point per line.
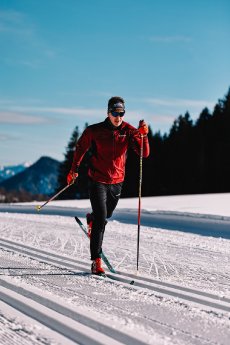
143	127
39	207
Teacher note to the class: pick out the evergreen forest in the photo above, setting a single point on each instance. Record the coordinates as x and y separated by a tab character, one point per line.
192	158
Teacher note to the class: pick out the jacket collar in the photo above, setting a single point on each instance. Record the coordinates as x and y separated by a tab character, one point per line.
108	124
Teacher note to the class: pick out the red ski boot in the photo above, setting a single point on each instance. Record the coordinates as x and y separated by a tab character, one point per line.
96	267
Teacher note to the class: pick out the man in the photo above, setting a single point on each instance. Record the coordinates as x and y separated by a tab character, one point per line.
109	141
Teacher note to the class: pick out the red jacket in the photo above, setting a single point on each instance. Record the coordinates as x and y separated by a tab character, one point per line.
109	145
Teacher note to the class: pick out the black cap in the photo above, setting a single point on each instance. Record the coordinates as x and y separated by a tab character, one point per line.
115	103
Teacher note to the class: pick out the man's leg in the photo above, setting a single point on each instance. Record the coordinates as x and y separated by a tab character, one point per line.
113	196
98	198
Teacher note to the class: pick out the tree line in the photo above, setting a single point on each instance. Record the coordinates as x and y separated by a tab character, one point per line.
8	196
193	158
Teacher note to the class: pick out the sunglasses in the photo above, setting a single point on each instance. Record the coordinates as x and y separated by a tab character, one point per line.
118	113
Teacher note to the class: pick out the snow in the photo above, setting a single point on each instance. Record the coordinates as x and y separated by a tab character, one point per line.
38	249
205	204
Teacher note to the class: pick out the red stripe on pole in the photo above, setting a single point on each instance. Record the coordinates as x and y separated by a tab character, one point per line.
139	203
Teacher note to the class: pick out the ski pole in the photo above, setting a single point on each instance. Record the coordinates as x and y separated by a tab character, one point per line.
54	196
139	203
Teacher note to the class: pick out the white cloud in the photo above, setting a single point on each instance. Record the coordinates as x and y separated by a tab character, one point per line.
186	103
60	110
158	112
161	112
6	102
10	117
7	137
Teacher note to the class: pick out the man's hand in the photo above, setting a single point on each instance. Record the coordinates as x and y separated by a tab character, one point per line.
143	128
71	177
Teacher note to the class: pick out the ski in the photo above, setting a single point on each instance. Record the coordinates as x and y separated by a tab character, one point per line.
104	258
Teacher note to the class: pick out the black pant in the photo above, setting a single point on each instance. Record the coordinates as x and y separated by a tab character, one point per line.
104	199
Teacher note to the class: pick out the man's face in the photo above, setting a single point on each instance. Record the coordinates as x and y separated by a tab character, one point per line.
116	120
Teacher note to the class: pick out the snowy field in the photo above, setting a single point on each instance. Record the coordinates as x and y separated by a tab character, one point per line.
181	295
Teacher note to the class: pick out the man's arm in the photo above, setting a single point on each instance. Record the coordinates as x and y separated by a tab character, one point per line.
142	131
83	144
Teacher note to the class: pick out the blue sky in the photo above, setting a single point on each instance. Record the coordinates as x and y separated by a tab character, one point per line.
61	61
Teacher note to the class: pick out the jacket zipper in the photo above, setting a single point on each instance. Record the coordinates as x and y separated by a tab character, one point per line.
114	151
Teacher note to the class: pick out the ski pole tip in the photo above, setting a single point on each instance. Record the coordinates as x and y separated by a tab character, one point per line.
38	208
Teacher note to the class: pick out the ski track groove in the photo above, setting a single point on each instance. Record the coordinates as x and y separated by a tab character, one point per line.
200	298
61	309
57	317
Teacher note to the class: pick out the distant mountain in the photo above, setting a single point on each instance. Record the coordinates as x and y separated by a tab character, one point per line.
11	170
39	178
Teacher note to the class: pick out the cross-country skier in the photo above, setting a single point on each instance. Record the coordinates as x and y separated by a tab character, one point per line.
109	141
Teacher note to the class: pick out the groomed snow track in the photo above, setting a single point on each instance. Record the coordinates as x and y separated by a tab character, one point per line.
72	323
204	300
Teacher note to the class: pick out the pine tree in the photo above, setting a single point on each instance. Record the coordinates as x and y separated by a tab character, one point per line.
201	145
82	181
65	167
154	166
179	156
221	170
191	158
